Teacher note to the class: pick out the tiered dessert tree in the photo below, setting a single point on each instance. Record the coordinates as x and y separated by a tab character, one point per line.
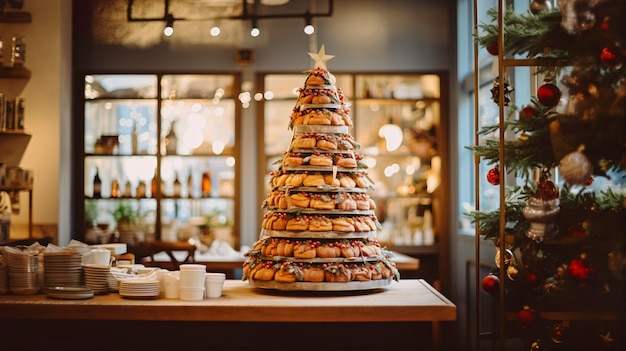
319	228
564	265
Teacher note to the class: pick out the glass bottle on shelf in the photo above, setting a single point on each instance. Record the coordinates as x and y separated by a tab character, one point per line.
97	185
115	188
206	184
153	186
134	139
176	186
170	141
141	190
127	190
190	185
18	51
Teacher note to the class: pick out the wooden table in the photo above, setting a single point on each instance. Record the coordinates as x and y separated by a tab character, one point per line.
238	320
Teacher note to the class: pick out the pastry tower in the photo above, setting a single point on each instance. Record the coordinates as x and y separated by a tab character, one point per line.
319	229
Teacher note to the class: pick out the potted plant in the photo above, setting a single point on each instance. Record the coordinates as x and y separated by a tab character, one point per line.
125	215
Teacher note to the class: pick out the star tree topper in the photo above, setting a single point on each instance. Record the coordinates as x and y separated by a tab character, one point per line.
321	58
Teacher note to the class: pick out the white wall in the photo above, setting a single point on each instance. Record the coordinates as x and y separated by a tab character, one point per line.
44	96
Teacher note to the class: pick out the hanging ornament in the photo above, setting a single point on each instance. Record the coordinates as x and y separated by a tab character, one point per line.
605	25
578	268
537	6
610	58
556	334
527	113
577	15
493	176
493	48
549	95
547	190
508	257
495	92
575	167
526	316
491	284
512	272
536	345
542	215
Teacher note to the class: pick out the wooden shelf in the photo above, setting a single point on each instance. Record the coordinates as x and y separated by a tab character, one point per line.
16	17
14	72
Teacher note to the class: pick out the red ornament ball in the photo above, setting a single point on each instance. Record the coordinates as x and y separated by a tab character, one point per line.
526	316
579	269
610	58
491	284
528	113
549	95
493	176
493	48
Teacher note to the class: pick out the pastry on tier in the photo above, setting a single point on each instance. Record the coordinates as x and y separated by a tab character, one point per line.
319	229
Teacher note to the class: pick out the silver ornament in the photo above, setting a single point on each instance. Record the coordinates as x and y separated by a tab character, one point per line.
575	168
542	215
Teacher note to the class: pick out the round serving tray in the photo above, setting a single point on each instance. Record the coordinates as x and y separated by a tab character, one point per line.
302	210
360	259
321	189
322	286
313	150
322	169
330	106
314	128
305	234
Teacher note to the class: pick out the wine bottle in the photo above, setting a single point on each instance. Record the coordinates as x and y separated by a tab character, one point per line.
141	190
97	185
153	186
206	184
189	185
176	187
127	193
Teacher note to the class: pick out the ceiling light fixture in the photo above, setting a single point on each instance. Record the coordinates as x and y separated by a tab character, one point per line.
255	31
169	25
248	13
308	27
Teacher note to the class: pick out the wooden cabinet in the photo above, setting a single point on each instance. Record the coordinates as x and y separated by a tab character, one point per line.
400	122
164	149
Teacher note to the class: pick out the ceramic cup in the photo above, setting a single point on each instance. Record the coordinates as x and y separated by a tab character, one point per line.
214	283
170	286
100	257
192	275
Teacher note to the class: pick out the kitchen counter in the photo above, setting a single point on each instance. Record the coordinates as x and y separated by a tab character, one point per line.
410	301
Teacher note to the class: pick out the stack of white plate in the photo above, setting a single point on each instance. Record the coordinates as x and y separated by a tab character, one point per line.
97	277
23	271
4	274
68	292
62	268
139	289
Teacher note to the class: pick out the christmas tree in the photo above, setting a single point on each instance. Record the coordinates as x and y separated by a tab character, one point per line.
565	222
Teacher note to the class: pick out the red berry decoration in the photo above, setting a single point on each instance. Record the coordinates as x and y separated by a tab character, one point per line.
610	59
549	95
491	284
493	48
526	316
493	176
